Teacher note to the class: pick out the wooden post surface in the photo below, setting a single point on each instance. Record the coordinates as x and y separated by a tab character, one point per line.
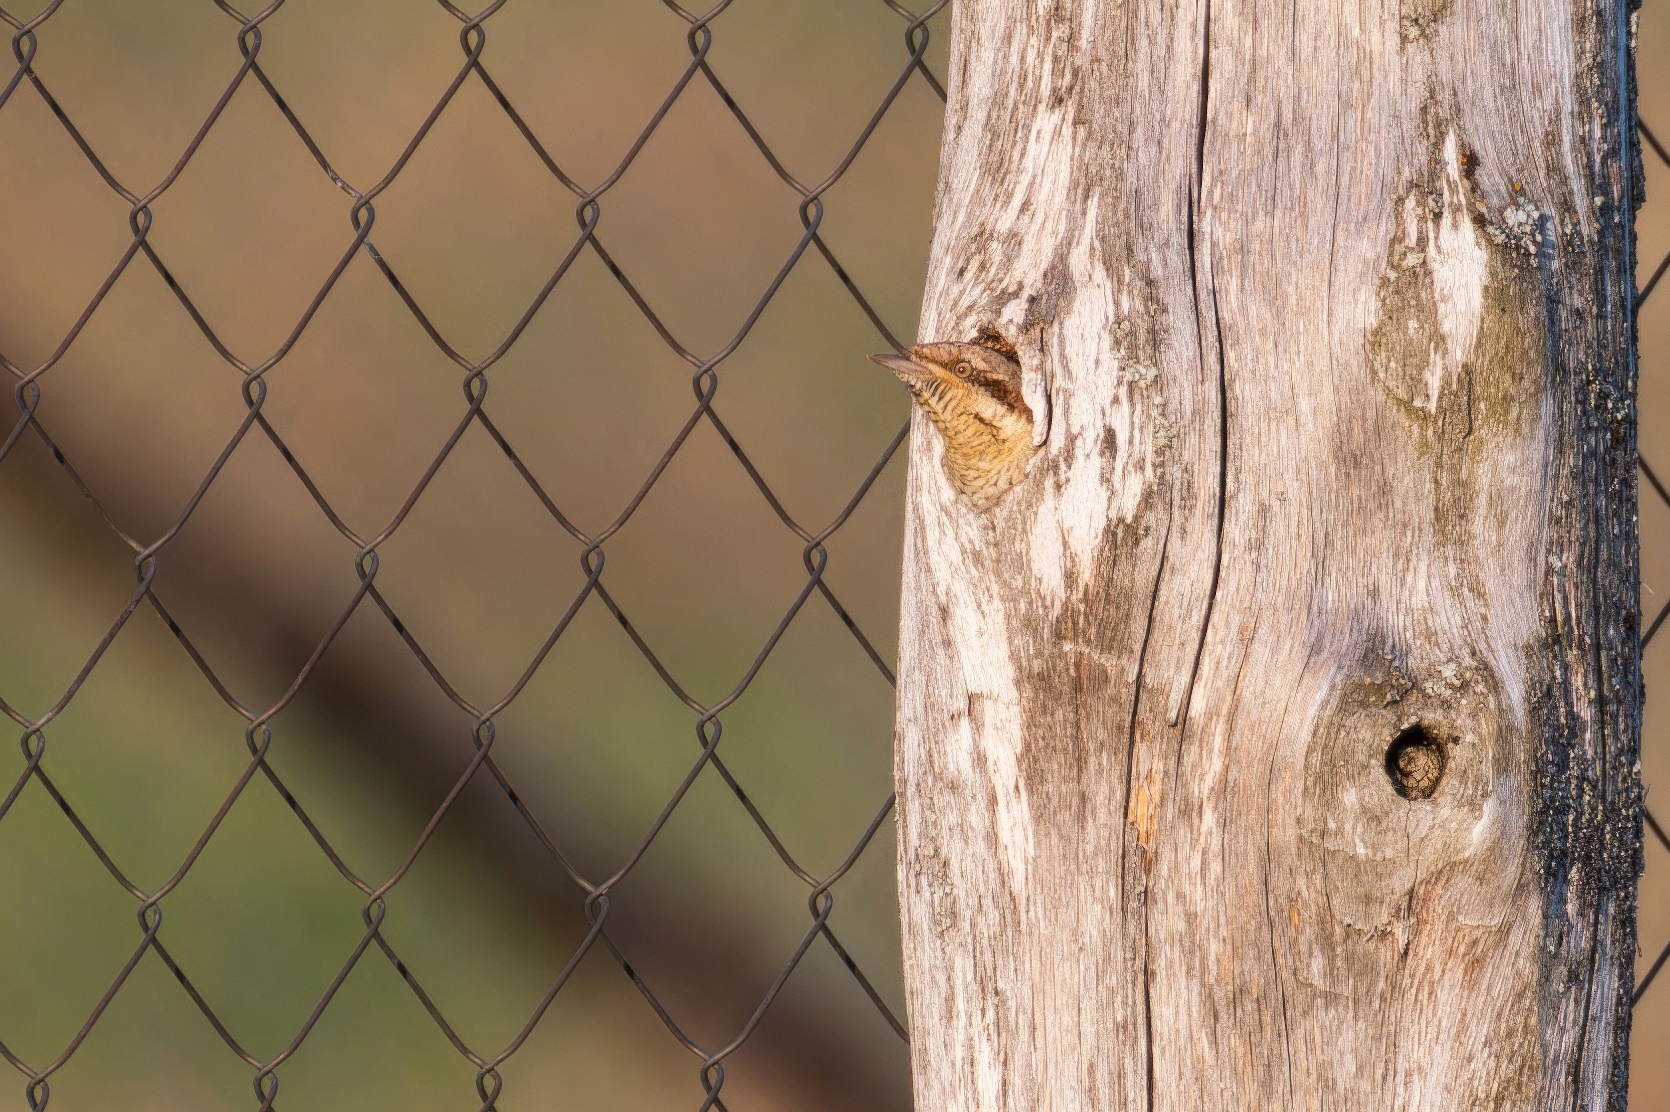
1272	744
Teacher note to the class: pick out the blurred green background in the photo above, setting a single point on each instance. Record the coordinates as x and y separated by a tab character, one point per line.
479	572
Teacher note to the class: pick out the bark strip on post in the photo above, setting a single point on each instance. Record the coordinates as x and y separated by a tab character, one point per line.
1272	744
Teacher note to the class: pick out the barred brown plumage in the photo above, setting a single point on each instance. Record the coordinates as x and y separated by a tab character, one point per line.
972	393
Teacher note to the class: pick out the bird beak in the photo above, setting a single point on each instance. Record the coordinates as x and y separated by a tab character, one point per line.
906	368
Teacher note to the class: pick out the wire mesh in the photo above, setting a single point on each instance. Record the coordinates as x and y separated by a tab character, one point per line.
592	892
1655	150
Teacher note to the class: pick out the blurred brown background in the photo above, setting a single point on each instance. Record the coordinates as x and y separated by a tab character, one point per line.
479	572
1650	1065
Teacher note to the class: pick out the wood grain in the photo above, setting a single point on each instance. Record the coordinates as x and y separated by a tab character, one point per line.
1324	309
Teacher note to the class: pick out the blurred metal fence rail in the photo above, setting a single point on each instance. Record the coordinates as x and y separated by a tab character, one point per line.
704	381
593	892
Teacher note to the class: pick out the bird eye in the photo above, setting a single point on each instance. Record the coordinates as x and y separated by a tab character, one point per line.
963	370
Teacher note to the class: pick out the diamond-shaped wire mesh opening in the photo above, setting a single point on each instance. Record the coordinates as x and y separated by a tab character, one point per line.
369	365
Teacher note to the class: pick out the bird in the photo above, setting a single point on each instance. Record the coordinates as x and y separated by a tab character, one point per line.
972	394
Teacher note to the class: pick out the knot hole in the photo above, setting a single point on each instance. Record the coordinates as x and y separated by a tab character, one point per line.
1415	762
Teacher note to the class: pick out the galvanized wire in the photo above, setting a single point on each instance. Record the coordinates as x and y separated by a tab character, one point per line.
593	893
1652	143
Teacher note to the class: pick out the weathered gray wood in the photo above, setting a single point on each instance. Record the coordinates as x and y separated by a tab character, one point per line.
1322	309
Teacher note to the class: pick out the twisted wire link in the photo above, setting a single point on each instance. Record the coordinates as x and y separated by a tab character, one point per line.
258	733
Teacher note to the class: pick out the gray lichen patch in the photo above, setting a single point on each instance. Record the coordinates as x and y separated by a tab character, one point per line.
1138	333
1139	343
1521	225
1164	435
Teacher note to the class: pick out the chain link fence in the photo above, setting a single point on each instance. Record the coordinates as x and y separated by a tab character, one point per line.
1650	1081
1659	492
592	890
468	777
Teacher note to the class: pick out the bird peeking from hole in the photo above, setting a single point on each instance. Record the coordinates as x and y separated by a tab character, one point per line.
972	393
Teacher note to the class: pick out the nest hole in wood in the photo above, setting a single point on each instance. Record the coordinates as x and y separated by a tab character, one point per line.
1415	762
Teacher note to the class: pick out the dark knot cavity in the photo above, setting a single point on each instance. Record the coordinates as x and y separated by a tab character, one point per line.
1415	762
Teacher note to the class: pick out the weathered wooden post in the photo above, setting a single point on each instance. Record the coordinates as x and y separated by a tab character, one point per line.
1271	745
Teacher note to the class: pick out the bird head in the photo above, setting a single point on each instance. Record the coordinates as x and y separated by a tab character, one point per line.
972	393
